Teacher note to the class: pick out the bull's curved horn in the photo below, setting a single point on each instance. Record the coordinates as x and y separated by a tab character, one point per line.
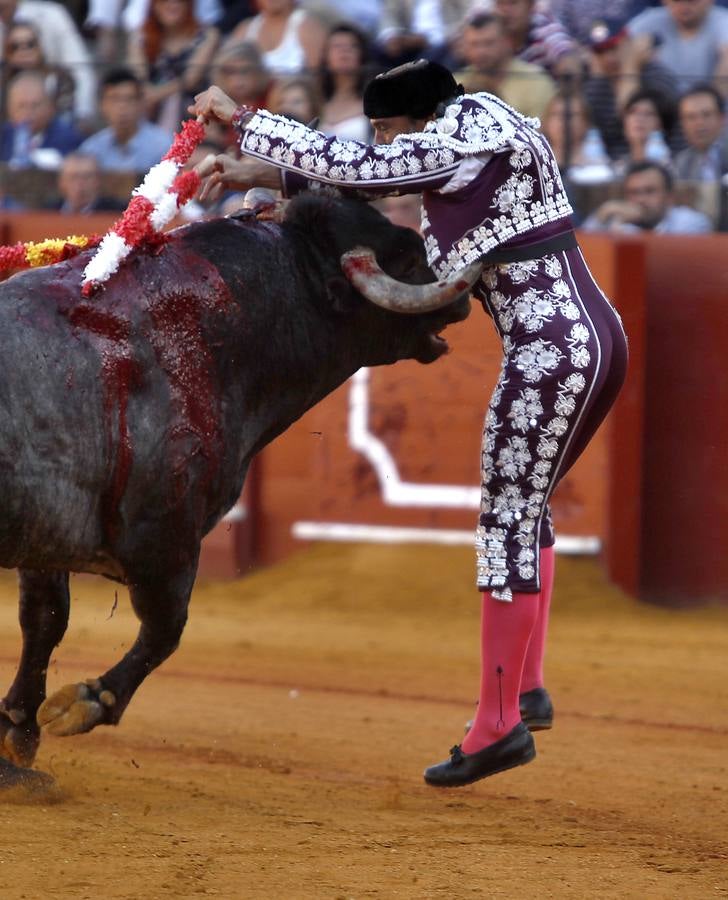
361	268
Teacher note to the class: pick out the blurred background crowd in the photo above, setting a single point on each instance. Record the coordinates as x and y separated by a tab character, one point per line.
630	93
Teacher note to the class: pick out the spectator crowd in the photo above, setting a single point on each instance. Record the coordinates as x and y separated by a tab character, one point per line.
630	93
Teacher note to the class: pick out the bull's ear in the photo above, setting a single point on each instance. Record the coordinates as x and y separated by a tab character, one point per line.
340	294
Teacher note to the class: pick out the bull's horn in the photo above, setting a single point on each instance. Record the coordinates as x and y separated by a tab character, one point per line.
361	268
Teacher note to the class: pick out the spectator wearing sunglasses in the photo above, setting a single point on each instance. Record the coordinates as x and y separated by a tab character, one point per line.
62	46
23	53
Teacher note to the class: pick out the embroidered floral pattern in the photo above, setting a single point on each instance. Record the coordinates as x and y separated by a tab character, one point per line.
525	435
530	196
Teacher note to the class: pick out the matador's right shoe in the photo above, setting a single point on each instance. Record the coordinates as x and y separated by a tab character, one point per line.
537	710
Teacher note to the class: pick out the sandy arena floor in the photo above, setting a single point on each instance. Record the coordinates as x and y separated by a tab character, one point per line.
279	753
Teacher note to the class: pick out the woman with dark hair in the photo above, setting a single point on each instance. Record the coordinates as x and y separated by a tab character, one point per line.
171	52
577	146
344	73
647	121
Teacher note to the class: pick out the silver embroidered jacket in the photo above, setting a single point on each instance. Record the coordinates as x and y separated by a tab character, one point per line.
487	175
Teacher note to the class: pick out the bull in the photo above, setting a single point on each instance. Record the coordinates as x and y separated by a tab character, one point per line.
128	419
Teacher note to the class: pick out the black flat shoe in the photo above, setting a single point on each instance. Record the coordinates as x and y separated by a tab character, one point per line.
537	710
515	749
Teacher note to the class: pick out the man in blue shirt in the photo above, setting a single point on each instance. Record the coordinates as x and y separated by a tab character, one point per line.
34	136
129	143
647	206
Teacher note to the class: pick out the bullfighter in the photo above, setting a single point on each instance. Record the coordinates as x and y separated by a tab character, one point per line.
491	191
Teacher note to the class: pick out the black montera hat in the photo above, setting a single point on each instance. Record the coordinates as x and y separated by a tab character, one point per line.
415	89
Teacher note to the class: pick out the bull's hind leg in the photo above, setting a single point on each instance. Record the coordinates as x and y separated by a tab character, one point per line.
161	605
44	605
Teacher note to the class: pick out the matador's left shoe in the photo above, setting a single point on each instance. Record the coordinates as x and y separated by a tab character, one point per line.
515	749
537	710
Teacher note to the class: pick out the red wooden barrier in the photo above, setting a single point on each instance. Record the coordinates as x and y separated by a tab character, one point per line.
685	479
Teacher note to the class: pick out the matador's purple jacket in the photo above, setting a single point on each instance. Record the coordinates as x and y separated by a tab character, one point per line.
489	182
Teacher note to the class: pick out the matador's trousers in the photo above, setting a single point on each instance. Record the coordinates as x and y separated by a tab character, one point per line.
564	361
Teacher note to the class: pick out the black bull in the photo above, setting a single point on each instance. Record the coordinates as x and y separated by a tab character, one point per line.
128	419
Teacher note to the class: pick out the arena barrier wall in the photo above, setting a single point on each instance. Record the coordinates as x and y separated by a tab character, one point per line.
685	482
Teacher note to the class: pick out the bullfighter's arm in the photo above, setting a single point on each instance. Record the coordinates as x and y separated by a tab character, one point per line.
409	165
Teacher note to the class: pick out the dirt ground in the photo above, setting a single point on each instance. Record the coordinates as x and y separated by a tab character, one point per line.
279	753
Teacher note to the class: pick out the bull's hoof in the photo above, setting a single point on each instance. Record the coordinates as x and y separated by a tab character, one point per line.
19	736
76	708
15	776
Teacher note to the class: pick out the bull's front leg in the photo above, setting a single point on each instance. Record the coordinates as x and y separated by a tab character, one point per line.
44	605
161	605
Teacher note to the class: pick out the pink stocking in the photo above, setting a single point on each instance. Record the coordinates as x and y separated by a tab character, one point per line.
504	635
533	666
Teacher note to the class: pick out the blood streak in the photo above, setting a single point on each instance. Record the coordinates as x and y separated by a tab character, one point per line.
120	373
192	302
185	357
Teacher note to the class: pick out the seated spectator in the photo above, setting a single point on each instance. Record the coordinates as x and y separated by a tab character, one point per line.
577	146
414	29
296	97
290	40
604	83
538	37
701	112
62	46
647	205
688	37
129	143
239	71
23	53
34	135
492	67
646	122
343	75
79	187
171	53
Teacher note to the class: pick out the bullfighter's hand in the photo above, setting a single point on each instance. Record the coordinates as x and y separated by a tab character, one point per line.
223	172
213	103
